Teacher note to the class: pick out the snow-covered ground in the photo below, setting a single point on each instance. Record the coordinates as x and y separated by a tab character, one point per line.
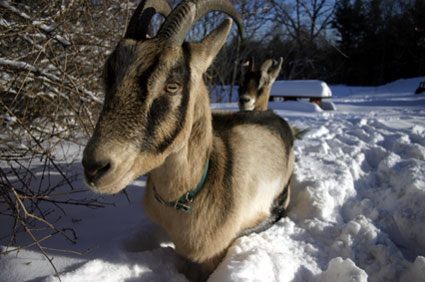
357	211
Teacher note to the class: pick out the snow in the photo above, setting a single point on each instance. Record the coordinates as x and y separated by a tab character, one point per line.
357	210
301	88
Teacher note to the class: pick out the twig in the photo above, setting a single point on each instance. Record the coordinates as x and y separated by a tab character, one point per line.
47	153
27	214
17	249
41	249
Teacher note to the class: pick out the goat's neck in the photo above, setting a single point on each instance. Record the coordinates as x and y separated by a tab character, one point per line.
182	170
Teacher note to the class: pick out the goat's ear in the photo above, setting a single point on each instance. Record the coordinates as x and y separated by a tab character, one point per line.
269	71
204	52
274	70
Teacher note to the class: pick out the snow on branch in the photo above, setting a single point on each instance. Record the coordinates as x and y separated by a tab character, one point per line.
48	28
38	71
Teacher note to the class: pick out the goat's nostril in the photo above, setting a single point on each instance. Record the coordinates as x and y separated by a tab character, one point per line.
104	169
95	170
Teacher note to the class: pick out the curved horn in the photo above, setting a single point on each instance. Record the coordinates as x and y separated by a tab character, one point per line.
139	25
188	12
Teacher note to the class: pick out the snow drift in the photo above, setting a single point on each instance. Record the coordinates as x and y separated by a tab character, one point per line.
357	211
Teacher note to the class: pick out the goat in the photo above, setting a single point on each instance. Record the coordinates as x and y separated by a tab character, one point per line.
212	176
254	89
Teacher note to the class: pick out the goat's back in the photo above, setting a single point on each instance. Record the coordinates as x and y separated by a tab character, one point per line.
226	122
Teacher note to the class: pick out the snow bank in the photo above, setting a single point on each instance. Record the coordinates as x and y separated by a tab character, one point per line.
357	210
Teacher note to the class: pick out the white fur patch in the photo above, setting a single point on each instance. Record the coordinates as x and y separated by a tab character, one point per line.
262	200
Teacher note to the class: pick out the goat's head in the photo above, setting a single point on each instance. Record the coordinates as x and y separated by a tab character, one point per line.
150	88
254	89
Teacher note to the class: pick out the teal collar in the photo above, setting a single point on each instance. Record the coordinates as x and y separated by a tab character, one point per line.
182	203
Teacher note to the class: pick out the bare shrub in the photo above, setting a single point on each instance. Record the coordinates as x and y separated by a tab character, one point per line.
51	55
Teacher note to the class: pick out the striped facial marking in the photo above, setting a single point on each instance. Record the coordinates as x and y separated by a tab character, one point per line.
166	116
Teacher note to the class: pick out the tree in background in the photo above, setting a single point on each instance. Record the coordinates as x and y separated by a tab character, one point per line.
302	26
383	40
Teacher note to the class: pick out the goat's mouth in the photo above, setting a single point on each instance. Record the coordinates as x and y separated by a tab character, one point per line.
109	183
246	107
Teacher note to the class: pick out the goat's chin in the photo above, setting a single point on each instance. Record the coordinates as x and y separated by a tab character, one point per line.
249	106
246	108
110	184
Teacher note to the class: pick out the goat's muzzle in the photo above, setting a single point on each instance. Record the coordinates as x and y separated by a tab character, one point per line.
246	103
108	169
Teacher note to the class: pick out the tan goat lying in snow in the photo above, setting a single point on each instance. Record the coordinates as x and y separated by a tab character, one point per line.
212	176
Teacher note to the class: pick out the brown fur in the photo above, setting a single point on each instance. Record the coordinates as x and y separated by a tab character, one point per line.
250	160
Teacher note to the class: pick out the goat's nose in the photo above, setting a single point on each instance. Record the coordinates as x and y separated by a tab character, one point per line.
244	100
94	170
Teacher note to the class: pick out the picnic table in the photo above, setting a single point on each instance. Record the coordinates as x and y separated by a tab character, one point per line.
292	90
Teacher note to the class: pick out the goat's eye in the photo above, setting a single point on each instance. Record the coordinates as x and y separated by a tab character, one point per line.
172	88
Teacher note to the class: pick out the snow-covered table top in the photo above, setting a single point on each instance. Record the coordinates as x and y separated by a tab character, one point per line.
301	88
